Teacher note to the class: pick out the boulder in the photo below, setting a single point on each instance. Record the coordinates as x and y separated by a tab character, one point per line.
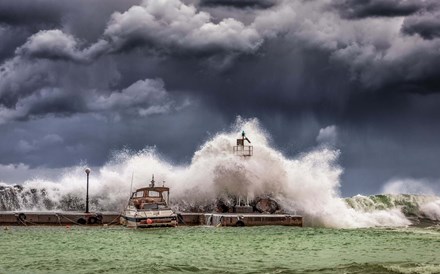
266	205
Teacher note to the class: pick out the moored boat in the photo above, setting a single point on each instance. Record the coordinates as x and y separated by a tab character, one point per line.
149	207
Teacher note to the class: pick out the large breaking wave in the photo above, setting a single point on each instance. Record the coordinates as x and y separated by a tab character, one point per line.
307	184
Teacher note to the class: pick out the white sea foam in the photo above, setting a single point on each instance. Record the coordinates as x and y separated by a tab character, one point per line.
307	184
410	186
431	210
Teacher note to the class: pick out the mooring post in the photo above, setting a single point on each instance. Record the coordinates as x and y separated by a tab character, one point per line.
87	193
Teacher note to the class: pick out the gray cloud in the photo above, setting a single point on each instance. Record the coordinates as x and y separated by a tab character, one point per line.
379	8
240	3
51	44
21	78
328	135
172	24
142	98
164	26
32	12
41	103
426	24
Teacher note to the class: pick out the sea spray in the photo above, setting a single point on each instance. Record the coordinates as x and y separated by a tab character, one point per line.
431	210
307	184
409	204
412	206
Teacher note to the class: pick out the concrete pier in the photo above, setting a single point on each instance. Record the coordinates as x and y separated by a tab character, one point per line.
186	219
58	218
234	219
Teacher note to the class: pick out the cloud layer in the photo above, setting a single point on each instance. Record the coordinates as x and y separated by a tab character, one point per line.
140	68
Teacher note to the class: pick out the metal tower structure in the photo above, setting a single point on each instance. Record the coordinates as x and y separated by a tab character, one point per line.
241	149
245	151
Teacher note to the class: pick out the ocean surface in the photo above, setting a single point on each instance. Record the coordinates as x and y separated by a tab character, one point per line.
271	249
359	234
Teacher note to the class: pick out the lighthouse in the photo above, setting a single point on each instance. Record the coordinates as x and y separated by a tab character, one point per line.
241	149
244	150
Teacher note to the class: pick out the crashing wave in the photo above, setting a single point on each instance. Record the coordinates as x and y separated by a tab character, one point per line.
18	197
420	206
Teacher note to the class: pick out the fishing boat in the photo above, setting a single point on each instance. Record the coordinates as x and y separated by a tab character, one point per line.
149	207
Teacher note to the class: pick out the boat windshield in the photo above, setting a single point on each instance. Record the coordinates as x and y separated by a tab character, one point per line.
154	207
153	194
138	194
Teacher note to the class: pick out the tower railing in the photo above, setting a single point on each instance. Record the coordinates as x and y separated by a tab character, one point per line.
243	150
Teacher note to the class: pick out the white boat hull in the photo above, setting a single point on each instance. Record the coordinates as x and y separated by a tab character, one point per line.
157	218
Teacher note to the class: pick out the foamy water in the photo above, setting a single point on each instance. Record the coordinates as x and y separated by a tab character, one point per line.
307	184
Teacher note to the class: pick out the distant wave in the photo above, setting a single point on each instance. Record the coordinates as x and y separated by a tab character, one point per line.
420	206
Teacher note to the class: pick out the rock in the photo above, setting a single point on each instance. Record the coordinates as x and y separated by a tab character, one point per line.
18	187
221	207
266	205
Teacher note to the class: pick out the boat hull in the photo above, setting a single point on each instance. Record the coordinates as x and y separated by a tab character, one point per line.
157	218
149	221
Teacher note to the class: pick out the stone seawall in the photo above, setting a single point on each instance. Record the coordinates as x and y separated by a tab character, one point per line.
58	218
189	219
233	219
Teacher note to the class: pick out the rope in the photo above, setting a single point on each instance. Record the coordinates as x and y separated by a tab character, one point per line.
30	222
179	218
70	220
59	220
220	222
113	220
21	221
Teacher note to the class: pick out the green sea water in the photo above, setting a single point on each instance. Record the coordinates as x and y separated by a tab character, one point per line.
269	249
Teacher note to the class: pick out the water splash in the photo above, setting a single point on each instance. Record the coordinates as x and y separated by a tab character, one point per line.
307	184
420	206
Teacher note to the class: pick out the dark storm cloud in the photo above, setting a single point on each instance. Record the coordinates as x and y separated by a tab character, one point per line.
170	27
84	19
12	38
378	8
29	13
51	13
264	4
379	59
375	60
425	24
142	98
55	142
140	73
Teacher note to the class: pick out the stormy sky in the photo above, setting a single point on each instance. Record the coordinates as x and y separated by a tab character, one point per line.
82	79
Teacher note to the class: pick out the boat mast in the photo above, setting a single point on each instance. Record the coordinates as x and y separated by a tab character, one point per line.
131	185
152	181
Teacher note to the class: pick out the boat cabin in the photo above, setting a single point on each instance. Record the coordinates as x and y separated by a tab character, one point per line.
151	198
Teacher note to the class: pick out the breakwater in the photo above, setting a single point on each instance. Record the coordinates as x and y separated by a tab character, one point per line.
112	218
25	199
58	218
